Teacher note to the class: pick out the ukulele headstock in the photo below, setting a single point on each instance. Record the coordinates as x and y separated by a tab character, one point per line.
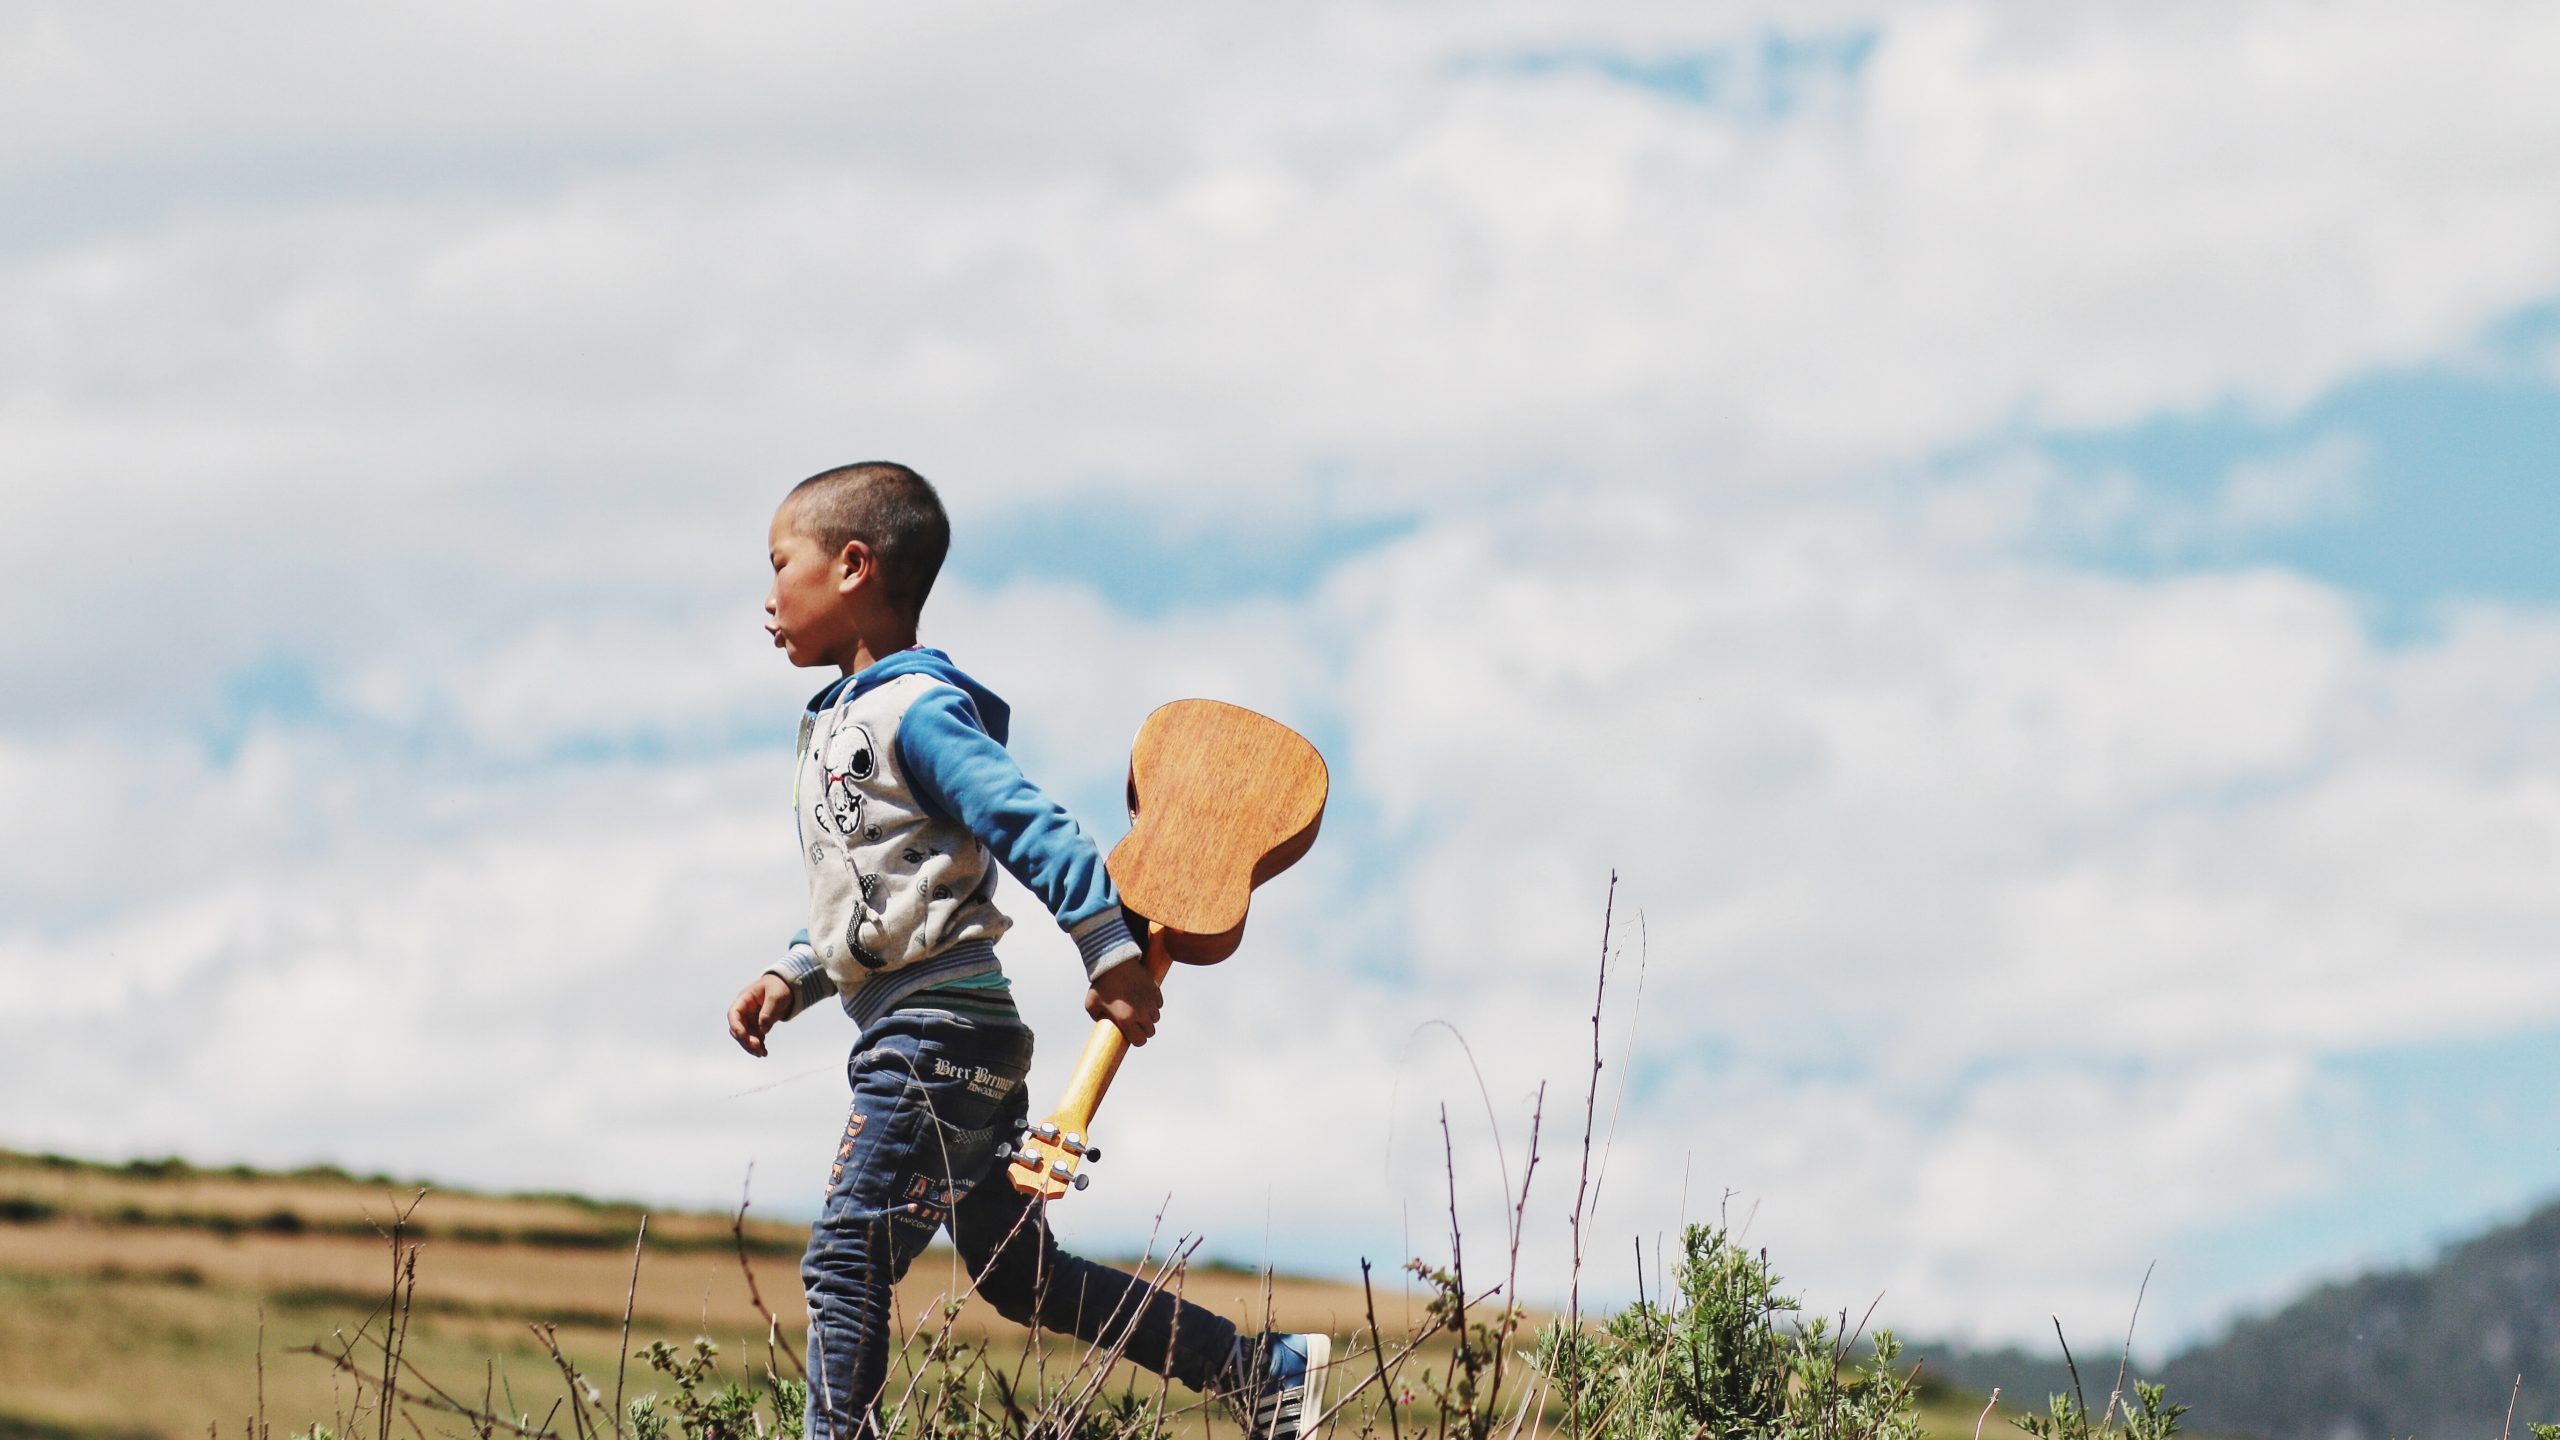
1045	1160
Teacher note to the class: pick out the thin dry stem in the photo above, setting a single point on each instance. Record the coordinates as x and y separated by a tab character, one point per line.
2078	1396
1590	1114
755	1293
630	1298
2124	1360
1378	1350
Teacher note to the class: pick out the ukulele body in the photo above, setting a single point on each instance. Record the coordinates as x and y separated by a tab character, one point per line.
1220	800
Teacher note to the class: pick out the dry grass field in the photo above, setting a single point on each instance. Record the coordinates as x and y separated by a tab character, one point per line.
132	1299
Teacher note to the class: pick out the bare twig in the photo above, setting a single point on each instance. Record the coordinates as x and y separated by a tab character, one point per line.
1590	1113
1850	1338
1395	1363
755	1294
398	1305
1164	1377
1457	1243
2078	1396
1510	1314
1070	1413
429	1399
1378	1350
391	1343
2124	1360
1985	1416
549	1335
630	1298
1484	1093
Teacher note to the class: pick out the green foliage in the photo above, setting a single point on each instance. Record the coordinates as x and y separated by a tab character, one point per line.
1465	1394
2148	1418
731	1412
1720	1358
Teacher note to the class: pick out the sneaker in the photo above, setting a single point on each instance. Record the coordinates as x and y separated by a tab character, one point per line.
1290	1395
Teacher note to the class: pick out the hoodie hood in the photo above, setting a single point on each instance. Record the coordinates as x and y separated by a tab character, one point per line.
994	716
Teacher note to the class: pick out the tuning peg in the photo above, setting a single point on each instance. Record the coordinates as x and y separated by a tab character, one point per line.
1004	1150
1093	1154
1046	1131
1083	1180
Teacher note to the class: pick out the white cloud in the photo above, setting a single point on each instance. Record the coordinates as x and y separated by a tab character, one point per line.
2148	850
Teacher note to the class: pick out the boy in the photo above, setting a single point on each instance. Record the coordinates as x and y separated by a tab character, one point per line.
906	802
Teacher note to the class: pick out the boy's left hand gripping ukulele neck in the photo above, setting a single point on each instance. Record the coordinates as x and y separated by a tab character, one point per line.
1222	799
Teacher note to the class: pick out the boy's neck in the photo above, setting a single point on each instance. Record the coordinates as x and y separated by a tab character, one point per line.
869	650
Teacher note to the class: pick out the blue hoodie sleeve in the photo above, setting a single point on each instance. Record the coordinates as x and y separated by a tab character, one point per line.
959	772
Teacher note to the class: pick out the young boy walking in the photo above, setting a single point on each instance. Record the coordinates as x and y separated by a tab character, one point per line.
906	802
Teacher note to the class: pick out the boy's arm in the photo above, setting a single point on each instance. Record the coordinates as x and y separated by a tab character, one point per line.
957	770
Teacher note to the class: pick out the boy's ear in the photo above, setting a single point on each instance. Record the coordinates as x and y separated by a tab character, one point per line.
855	564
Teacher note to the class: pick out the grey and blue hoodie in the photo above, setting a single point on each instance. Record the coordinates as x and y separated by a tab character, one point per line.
906	801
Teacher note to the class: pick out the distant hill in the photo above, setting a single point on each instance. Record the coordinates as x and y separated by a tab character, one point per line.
2432	1351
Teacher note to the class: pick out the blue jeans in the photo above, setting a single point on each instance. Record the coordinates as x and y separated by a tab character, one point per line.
932	1095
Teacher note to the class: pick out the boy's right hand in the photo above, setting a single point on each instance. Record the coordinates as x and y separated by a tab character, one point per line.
1126	995
765	1003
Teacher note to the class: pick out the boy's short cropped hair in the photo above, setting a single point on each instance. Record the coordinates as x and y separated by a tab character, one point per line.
887	507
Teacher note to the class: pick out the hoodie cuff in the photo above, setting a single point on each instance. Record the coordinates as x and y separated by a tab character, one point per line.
1104	941
799	969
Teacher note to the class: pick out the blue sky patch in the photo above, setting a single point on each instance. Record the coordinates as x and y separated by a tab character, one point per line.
273	690
2451	490
1770	79
2429	1144
1145	565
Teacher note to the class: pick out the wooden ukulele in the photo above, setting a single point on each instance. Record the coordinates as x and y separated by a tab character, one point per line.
1220	800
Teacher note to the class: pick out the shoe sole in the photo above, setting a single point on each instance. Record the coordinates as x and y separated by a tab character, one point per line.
1319	1358
1310	1397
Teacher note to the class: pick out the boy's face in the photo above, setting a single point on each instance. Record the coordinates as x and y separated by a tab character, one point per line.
807	614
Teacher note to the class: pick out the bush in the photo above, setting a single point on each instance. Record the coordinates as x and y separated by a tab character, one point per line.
1718	1358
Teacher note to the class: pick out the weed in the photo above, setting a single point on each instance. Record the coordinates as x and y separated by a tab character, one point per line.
730	1412
1719	1357
2148	1418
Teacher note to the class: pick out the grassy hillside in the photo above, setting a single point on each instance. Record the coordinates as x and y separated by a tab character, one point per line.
132	1298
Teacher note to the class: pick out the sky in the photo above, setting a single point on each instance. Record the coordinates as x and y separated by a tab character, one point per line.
2022	536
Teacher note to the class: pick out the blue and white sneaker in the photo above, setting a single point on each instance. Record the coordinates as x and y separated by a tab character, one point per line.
1289	1397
